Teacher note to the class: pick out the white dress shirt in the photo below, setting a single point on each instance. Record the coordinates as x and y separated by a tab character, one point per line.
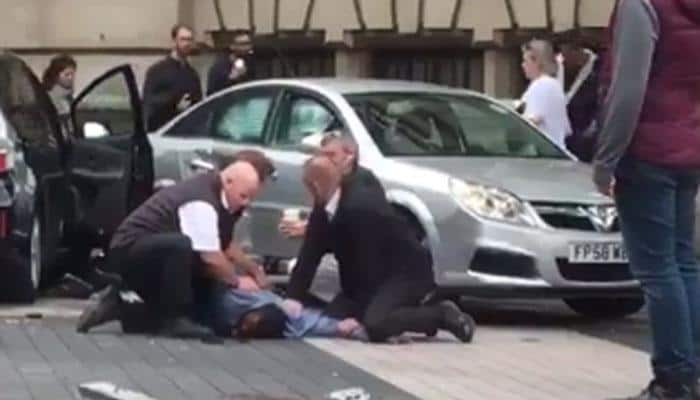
199	221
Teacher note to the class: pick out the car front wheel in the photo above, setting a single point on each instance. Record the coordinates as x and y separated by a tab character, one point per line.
606	308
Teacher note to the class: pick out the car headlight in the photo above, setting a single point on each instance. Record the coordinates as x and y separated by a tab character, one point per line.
490	202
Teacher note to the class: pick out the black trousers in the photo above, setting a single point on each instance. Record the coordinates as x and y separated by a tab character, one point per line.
160	269
395	308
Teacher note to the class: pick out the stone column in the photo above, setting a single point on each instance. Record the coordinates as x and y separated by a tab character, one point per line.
502	73
353	63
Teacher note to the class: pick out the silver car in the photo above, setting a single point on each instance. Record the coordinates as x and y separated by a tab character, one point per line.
504	211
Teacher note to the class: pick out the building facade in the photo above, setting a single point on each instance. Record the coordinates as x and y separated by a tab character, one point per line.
466	43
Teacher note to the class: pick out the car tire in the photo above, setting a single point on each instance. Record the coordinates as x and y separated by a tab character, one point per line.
606	308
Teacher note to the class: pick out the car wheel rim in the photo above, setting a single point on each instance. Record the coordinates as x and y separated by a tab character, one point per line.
35	253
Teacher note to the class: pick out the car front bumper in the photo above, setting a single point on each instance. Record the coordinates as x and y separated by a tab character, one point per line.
503	260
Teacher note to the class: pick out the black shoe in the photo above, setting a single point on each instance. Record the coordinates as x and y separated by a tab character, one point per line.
106	309
184	328
658	392
456	322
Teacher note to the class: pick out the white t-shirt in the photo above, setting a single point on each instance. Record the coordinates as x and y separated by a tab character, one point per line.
545	100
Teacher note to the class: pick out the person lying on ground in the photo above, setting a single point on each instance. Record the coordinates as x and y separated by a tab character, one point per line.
265	315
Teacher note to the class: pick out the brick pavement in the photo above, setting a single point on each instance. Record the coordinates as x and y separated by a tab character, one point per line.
504	364
47	360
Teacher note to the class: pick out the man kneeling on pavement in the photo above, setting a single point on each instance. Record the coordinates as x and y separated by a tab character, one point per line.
177	246
385	272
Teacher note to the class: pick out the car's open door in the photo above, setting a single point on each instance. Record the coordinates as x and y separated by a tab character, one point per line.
109	158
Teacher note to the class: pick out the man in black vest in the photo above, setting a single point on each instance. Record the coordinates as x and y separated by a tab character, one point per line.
178	243
385	273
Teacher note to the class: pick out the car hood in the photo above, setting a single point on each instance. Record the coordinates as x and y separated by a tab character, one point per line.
541	180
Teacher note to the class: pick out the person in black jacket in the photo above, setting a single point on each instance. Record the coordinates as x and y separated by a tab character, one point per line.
172	85
232	67
343	151
385	272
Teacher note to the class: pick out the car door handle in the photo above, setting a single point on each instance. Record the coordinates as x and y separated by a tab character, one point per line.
201	165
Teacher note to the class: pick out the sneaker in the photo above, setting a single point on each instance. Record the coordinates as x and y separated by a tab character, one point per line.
658	392
460	324
106	309
184	328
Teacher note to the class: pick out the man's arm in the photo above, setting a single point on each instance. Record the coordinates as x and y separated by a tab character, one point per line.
634	44
236	255
314	247
200	222
156	95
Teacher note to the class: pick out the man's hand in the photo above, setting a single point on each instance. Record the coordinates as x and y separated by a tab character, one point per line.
248	284
607	189
604	180
292	229
261	278
293	308
184	103
347	326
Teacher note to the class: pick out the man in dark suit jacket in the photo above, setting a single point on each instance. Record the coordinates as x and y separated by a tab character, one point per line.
385	273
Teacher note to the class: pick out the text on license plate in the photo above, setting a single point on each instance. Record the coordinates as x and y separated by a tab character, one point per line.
597	252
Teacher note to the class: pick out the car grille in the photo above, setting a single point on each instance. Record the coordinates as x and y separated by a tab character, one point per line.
580	217
594	272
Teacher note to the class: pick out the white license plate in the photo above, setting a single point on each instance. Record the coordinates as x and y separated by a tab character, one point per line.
597	253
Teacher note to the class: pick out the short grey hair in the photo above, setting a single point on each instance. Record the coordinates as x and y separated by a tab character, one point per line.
345	139
543	53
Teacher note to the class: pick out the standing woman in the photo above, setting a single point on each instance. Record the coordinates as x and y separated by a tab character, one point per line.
545	100
59	81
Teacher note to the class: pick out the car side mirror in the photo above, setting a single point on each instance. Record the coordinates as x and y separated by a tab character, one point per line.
94	130
311	143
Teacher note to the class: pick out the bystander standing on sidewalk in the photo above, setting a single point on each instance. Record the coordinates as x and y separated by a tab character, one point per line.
59	82
233	66
579	76
172	85
545	101
648	158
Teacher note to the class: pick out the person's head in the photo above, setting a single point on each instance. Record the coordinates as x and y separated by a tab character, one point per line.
538	59
322	178
61	72
183	40
241	46
242	179
267	322
574	54
342	149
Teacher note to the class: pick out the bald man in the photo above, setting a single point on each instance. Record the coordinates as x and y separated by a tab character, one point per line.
342	149
385	272
178	245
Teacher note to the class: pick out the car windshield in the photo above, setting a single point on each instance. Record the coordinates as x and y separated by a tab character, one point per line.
435	124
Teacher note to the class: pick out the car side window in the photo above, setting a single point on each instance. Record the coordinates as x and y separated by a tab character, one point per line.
306	117
243	119
196	124
239	117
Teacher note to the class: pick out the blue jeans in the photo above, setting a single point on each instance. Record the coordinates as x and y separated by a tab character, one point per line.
657	214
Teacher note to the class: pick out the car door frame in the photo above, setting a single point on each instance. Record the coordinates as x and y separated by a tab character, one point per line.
138	157
266	239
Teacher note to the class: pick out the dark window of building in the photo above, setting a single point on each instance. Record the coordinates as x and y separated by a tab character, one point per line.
444	67
308	63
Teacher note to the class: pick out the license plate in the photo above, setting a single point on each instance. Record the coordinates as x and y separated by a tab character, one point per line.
597	253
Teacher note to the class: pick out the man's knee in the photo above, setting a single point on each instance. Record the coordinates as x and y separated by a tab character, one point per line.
377	329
